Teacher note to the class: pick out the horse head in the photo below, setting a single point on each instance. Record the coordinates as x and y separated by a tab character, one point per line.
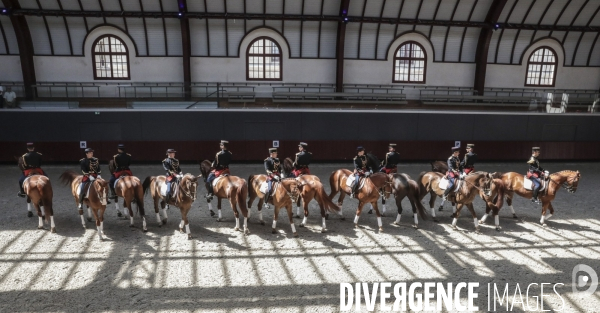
384	182
101	187
205	167
439	166
189	185
288	166
571	180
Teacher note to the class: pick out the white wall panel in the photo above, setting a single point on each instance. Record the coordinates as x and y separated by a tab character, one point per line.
91	5
373	8
505	45
3	50
235	32
170	6
274	6
310	39
392	8
136	31
541	33
215	6
423	29
351	41
11	37
331	7
11	68
275	24
292	35
235	6
70	5
401	29
117	21
174	43
595	56
587	13
570	12
438	34
111	5
428	9
328	39
28	4
519	12
481	10
410	8
463	10
469	48
156	37
255	6
154	5
133	6
386	35
217	37
312	7
367	41
253	24
94	21
522	43
569	46
553	12
78	33
50	5
39	35
584	49
198	39
492	48
453	44
196	6
536	12
60	38
445	10
505	11
293	7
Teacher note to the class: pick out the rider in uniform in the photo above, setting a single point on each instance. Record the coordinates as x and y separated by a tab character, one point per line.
468	163
90	167
392	158
122	162
302	161
219	166
453	170
535	173
32	161
361	168
272	166
171	165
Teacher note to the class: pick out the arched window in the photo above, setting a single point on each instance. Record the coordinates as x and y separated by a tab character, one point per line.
541	67
410	63
110	57
264	60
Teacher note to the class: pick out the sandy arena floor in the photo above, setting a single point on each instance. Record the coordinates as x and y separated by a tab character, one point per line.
222	270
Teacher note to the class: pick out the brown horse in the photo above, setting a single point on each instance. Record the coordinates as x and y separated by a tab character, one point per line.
130	189
311	188
369	193
286	192
474	184
39	192
183	198
95	201
403	186
497	192
514	184
442	167
232	188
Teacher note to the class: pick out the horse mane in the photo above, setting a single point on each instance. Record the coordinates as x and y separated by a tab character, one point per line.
439	166
205	168
288	166
373	161
68	177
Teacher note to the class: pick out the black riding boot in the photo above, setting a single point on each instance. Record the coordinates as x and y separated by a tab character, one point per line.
113	193
354	190
446	193
535	196
21	191
81	195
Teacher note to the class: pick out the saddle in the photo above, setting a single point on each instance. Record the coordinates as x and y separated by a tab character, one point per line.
217	178
351	180
85	185
528	184
264	187
443	184
174	188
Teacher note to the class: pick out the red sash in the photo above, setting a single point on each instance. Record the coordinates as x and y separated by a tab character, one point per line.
529	174
87	177
390	170
452	174
221	172
33	171
123	172
468	170
170	178
301	171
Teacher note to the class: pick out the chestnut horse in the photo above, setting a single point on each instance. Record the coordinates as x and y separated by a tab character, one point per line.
130	189
311	188
403	186
474	184
95	201
369	193
39	192
286	192
514	184
235	189
184	196
442	167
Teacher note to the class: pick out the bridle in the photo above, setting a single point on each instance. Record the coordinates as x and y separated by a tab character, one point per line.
294	194
191	192
568	184
382	191
99	192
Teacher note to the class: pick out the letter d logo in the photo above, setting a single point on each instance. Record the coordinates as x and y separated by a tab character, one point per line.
579	281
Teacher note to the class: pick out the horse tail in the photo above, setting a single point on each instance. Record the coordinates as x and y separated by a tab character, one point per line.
68	177
324	199
333	185
41	185
138	195
422	188
146	184
242	193
414	192
251	191
501	189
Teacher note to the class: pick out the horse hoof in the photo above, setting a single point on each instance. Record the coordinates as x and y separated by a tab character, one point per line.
296	235
145	230
190	237
370	212
212	213
441	209
324	230
274	231
29	214
326	216
246	232
131	226
515	216
119	214
53	230
396	223
237	229
477	230
481	222
356	226
41	227
544	225
381	229
436	220
498	228
262	223
218	219
454	227
164	222
301	224
415	226
181	230
296	216
89	219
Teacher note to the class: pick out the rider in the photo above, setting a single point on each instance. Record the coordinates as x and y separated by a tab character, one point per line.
468	164
90	167
453	170
302	161
171	165
122	162
272	167
361	168
32	161
219	166
392	158
535	173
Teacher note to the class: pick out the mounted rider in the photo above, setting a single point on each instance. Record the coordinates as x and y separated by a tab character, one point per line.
361	169
468	163
535	173
171	165
122	161
32	162
302	161
219	166
453	170
90	167
272	167
392	158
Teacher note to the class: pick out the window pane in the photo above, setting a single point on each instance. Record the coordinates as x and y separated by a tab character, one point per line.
102	45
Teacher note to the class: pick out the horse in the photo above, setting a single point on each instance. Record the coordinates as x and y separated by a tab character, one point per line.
130	189
474	184
185	195
235	189
403	186
369	193
441	167
39	192
311	188
95	201
514	184
497	192
285	193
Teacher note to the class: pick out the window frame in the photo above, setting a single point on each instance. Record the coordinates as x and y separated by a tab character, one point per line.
396	58
541	67
110	54
248	55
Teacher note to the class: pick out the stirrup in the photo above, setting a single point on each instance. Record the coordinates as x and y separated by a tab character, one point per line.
22	195
208	196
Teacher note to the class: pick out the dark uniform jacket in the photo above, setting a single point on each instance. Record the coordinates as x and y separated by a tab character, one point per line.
360	163
534	166
469	160
32	160
453	164
391	160
90	166
272	165
302	159
122	161
222	160
171	165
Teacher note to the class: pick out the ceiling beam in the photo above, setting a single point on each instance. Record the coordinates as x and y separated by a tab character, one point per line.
483	44
25	44
340	42
187	50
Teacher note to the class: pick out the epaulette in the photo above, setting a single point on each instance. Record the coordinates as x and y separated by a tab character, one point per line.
355	157
38	153
266	159
309	152
24	154
230	152
81	159
298	153
128	154
164	160
388	153
114	156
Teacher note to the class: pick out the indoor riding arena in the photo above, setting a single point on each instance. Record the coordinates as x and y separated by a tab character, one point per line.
299	155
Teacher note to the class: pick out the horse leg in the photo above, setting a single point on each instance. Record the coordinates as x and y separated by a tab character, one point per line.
340	204
89	213
40	216
323	217
298	209
210	208
98	224
496	218
119	213
260	213
80	213
549	214
399	206
163	208
305	205
29	212
290	217
128	205
475	220
233	203
156	211
456	214
509	200
383	206
358	211
220	218
184	220
487	213
544	208
379	223
275	215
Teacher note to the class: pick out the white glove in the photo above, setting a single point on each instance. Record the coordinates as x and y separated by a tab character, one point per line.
546	173
462	175
180	176
100	177
367	174
277	178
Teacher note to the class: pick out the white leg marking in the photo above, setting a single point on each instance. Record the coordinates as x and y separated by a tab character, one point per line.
416	217
144	222
274	223
297	210
219	213
131	220
356	219
432	212
29	207
181	224
542	220
443	201
43	211
245	223
484	217
548	216
99	232
398	218
52	221
158	218
82	220
453	209
384	209
293	228
379	223
41	223
512	210
475	222
497	220
164	211
454	222
210	206
323	221
237	223
260	216
90	212
117	206
187	229
304	220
